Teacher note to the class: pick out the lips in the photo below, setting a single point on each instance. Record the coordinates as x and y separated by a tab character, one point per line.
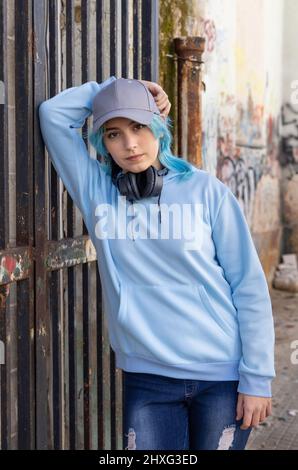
135	157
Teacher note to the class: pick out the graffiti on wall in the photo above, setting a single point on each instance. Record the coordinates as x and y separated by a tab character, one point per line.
289	134
250	119
210	35
241	167
242	178
243	171
247	148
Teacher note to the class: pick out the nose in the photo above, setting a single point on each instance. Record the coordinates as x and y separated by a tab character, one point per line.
130	141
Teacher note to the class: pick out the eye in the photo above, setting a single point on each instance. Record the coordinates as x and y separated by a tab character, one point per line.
112	135
140	126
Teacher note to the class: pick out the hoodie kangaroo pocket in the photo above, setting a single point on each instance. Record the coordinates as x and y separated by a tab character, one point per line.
219	316
171	324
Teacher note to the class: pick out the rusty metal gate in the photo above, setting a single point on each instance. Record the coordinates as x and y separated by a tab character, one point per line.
60	388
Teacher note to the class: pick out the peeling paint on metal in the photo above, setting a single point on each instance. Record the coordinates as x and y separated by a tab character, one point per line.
14	267
66	254
4	292
42	331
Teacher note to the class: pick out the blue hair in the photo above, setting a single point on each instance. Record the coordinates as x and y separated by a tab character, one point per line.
161	131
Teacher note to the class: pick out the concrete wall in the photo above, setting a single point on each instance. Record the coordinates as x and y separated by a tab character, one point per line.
289	128
242	102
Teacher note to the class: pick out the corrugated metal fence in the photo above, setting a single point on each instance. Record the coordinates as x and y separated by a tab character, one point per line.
59	384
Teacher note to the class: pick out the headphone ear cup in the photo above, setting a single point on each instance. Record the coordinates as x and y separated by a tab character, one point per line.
121	185
146	181
132	185
127	185
138	185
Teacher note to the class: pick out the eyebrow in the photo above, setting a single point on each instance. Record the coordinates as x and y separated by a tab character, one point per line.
117	128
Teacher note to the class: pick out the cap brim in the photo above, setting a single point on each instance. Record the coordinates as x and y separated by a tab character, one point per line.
141	116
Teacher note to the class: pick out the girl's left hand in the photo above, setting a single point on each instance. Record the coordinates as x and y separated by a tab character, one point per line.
253	409
160	96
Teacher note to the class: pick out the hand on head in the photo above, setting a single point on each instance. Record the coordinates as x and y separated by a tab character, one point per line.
160	97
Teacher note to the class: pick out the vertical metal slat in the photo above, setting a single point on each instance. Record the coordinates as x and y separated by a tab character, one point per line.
24	213
43	357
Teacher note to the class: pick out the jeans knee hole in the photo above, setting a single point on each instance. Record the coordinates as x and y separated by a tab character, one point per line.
131	445
227	438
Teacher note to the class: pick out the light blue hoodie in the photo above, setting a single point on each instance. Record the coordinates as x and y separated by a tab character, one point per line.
195	310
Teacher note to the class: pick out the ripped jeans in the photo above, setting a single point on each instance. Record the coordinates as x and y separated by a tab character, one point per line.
165	413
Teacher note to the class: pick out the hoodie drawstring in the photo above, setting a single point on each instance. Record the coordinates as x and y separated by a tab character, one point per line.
133	210
159	207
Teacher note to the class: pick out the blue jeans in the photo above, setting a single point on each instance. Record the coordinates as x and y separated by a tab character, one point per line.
165	413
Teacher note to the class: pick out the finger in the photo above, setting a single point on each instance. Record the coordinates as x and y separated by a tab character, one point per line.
165	109
163	102
269	409
239	409
256	418
263	415
155	89
161	99
246	419
162	106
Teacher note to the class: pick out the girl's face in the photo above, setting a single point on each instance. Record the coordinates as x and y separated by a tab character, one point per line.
125	138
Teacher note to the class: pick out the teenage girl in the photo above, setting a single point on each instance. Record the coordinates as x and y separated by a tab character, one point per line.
186	298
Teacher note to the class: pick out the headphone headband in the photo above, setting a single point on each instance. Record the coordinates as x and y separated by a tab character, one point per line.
136	186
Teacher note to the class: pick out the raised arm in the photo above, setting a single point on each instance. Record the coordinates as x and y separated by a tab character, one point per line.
60	117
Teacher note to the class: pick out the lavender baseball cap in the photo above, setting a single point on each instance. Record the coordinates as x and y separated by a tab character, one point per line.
124	97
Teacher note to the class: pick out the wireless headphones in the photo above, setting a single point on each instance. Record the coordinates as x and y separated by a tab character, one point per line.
139	185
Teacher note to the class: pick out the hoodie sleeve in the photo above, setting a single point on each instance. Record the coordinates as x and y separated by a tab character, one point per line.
243	270
59	117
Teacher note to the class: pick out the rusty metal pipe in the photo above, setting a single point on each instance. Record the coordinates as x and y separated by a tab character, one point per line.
189	52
